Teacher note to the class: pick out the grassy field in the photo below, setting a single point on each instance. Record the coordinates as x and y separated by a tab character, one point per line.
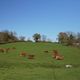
43	66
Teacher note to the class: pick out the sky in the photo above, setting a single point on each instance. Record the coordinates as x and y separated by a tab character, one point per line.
47	17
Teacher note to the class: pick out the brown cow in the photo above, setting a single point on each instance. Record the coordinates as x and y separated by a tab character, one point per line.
23	54
2	50
59	57
56	55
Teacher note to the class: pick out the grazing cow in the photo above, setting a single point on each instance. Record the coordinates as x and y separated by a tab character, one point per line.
23	54
56	55
2	50
30	56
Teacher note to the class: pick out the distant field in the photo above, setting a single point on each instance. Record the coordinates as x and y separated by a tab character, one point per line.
43	66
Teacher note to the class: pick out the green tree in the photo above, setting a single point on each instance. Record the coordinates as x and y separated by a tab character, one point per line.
37	37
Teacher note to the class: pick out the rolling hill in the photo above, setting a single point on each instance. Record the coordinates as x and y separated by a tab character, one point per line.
42	66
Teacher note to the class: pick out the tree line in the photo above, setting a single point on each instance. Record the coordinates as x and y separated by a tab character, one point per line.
9	36
69	38
65	38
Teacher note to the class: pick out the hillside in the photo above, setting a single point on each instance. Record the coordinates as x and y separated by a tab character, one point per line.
42	66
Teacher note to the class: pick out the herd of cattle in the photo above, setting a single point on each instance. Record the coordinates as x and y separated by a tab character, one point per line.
55	54
24	54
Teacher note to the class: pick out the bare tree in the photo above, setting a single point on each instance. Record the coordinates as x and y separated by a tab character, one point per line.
44	38
78	37
22	38
7	36
62	37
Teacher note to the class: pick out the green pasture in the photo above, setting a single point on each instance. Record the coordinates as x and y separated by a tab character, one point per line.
43	66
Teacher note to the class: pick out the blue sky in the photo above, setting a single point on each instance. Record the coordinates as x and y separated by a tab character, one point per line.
48	17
